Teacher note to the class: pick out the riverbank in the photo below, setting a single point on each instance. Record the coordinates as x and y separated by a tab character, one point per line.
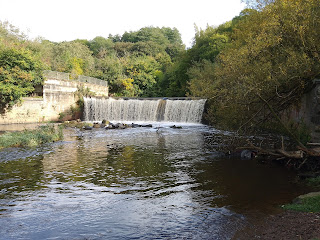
287	225
31	138
298	220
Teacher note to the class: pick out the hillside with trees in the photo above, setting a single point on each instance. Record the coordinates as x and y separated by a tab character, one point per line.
250	69
134	64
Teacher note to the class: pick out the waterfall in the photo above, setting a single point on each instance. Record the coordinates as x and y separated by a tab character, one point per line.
146	110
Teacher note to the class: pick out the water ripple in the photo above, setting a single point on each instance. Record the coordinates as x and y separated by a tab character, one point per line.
133	184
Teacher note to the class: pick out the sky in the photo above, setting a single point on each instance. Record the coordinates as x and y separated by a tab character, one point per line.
67	20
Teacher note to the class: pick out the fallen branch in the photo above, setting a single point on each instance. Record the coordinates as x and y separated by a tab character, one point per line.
260	150
310	152
313	144
291	154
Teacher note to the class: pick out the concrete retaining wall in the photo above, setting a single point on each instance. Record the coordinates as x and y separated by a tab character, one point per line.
58	97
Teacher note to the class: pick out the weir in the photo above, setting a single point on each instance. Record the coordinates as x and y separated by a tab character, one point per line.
155	110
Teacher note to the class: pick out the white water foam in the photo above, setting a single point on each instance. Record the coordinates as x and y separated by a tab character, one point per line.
186	111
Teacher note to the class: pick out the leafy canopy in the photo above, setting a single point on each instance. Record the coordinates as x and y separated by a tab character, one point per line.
19	73
272	58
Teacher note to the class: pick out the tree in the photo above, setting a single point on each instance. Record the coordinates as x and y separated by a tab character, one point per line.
19	73
9	34
207	45
153	34
202	75
146	55
172	34
72	57
144	70
101	46
273	58
176	78
134	64
111	69
148	48
123	48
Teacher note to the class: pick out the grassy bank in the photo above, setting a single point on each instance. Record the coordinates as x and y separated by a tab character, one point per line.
308	202
31	138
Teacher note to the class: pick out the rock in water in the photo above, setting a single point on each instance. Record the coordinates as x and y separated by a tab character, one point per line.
87	128
247	154
174	126
146	125
105	122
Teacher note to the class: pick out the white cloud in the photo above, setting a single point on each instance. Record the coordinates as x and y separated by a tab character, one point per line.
61	20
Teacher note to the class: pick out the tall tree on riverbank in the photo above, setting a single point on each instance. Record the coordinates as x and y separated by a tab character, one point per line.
208	43
273	58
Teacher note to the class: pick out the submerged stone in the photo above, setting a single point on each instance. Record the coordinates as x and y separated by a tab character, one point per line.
174	126
146	125
87	128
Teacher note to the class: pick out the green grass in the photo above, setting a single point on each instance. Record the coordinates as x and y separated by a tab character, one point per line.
31	138
310	204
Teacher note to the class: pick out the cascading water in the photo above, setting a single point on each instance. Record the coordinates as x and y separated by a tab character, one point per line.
188	111
184	111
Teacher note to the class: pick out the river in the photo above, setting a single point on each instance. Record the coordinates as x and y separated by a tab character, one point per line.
139	183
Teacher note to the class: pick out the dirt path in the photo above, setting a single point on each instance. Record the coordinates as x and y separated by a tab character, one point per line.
286	225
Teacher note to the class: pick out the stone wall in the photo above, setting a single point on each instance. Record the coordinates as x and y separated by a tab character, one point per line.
58	97
307	112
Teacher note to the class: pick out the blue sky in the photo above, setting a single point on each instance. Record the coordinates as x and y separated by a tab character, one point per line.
66	20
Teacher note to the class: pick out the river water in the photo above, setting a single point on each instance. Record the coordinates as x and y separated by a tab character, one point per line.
140	183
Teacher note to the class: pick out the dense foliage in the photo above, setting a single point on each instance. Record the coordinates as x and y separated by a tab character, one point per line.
251	68
134	64
270	61
20	71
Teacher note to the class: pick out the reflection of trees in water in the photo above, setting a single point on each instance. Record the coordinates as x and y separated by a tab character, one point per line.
154	164
105	161
172	178
20	175
111	159
243	185
108	160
